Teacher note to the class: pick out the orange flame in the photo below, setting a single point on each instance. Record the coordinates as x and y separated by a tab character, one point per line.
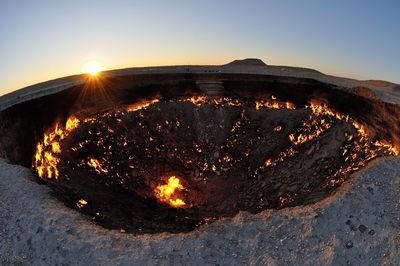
94	163
46	157
196	100
81	203
274	104
166	192
324	110
141	105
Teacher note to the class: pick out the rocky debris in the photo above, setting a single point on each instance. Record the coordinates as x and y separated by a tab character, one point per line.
349	244
362	228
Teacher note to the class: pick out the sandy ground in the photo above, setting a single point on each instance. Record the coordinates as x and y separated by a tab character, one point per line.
359	225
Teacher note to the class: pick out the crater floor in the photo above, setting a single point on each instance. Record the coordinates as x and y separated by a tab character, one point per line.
224	155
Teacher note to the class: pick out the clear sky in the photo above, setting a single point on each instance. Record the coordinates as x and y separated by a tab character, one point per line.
46	39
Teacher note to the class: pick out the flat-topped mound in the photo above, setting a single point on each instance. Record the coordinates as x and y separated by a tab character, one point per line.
247	62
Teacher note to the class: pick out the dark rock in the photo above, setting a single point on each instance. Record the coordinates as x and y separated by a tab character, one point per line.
349	244
362	228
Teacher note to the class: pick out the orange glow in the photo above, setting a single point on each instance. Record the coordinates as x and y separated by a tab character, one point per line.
196	100
166	192
94	163
324	110
47	152
72	123
141	105
274	104
81	203
268	162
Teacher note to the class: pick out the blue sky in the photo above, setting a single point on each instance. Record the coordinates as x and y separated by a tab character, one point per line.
43	39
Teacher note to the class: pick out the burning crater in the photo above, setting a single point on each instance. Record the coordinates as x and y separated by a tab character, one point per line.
173	164
148	153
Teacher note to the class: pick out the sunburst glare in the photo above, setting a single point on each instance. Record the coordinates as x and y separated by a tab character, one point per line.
93	68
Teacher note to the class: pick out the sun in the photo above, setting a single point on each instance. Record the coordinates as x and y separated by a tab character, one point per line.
93	68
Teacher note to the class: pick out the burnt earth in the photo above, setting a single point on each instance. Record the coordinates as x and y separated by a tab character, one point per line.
228	158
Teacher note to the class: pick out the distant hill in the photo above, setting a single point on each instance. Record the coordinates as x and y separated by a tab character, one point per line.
382	84
247	62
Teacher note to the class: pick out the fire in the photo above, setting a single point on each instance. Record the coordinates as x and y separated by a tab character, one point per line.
94	163
47	156
47	152
196	100
132	150
274	104
81	203
165	193
72	123
310	131
321	118
320	110
141	105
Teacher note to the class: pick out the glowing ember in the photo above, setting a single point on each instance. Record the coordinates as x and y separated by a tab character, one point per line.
274	104
166	193
141	105
81	203
196	100
96	165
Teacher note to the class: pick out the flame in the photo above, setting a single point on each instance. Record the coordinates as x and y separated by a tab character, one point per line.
94	163
196	100
165	193
71	123
319	110
141	105
177	202
268	162
310	131
56	147
81	203
274	104
47	152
